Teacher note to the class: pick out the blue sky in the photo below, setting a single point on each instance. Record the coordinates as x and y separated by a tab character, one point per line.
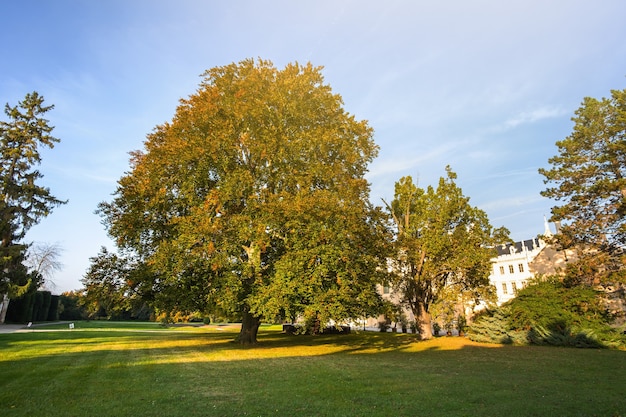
487	87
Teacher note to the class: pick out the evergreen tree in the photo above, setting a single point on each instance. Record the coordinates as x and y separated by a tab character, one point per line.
587	177
23	201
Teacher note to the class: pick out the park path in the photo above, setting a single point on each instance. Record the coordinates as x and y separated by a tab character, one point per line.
11	328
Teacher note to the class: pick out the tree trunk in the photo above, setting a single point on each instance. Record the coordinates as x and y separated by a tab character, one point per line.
4	305
424	322
249	329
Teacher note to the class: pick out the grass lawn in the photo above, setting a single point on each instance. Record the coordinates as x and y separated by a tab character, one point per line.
111	369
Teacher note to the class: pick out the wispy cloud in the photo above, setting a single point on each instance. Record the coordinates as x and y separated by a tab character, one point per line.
529	117
509	203
411	159
535	116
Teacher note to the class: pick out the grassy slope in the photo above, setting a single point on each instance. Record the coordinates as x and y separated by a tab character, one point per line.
142	370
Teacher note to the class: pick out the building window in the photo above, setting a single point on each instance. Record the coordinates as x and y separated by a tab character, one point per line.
501	270
386	289
521	267
511	270
514	286
504	289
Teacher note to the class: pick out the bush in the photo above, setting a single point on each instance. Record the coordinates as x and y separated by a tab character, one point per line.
21	309
33	306
37	307
549	313
336	330
551	305
42	314
492	326
53	312
564	337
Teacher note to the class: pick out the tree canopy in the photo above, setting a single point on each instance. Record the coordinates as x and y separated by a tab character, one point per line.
113	287
443	246
253	200
587	178
24	201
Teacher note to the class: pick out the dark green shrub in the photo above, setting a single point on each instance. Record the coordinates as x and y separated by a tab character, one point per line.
42	314
551	305
492	326
549	313
310	325
53	311
21	309
37	306
563	337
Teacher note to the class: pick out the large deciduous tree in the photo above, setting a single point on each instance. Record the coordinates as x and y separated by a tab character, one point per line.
253	200
443	246
24	202
587	177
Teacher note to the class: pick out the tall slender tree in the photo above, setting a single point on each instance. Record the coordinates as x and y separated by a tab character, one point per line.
253	200
24	202
588	179
443	245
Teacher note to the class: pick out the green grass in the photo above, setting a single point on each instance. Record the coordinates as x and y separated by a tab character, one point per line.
108	369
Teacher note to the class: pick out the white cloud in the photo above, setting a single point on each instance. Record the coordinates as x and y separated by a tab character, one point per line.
534	116
412	158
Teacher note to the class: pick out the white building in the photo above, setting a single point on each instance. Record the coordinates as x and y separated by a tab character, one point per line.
519	262
511	269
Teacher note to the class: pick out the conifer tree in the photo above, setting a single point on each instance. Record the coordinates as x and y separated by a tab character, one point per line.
24	202
588	179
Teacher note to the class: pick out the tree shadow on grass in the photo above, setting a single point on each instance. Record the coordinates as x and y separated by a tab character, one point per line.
212	343
354	341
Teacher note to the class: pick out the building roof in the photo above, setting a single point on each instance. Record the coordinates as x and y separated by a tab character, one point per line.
518	247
